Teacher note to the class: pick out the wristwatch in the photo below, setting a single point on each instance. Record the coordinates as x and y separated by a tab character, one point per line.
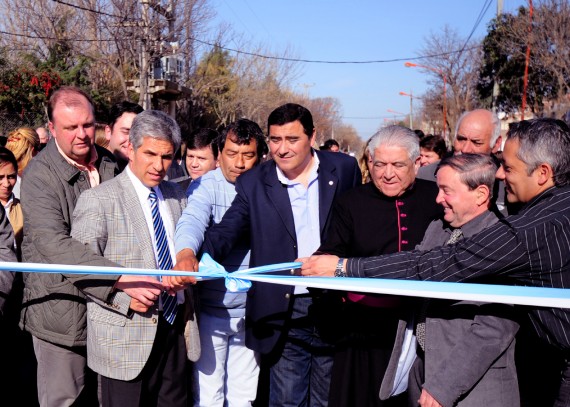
339	270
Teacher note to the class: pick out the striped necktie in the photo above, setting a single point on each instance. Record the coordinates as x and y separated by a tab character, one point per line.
169	303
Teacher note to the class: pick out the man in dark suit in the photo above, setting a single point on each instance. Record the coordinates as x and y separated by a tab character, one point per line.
285	205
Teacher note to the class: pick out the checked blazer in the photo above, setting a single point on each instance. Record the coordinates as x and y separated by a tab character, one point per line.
110	220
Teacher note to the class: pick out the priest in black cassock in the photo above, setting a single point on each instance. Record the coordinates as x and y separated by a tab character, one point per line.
387	215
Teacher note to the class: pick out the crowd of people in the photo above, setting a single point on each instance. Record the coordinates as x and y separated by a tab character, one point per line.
136	193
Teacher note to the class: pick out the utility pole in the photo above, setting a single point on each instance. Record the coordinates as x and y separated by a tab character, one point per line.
144	98
157	40
496	81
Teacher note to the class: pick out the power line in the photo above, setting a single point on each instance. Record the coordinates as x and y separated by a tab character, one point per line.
87	9
313	61
482	13
309	61
372	117
248	53
39	37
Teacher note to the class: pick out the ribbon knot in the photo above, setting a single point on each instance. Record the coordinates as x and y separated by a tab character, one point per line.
214	269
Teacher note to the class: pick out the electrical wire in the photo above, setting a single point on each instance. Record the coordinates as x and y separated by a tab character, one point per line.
308	61
88	9
38	37
313	61
482	13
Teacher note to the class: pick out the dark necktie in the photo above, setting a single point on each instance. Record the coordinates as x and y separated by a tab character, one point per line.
169	303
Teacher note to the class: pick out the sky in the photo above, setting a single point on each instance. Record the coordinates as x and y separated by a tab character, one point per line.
357	30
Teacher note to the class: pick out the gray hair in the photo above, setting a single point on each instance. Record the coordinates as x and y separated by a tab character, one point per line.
543	141
495	122
398	136
473	169
154	124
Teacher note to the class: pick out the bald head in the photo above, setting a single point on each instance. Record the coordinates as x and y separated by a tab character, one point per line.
478	132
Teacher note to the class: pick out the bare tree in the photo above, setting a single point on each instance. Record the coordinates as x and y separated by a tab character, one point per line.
458	60
122	38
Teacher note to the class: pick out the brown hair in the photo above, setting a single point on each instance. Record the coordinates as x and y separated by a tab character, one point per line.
7	157
100	136
69	96
363	162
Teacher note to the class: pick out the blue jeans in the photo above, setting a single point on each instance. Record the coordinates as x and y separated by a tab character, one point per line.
301	375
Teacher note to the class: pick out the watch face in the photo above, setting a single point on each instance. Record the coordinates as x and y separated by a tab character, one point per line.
338	272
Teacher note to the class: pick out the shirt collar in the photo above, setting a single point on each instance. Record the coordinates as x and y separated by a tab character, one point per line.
90	165
312	175
475	225
9	203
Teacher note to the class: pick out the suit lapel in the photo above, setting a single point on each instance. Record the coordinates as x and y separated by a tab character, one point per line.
279	197
328	184
135	217
172	202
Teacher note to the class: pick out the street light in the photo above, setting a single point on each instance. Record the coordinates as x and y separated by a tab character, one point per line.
439	71
411	107
395	113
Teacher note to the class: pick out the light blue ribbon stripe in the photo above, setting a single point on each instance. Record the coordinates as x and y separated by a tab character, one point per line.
504	294
241	281
78	269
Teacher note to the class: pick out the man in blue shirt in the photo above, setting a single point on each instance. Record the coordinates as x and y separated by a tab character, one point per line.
284	206
227	370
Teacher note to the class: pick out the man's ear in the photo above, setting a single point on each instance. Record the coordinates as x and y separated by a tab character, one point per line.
51	129
497	145
108	132
544	174
417	165
130	151
313	138
483	194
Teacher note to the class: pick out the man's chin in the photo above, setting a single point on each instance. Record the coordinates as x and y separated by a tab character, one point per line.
511	198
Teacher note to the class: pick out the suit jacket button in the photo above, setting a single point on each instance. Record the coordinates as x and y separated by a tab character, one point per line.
153	320
288	296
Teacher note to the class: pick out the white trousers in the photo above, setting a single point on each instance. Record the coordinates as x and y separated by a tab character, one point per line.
227	372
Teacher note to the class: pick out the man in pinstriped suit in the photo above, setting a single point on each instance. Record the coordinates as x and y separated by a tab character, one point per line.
139	355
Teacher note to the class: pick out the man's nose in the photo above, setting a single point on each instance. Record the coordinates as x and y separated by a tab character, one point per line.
500	174
467	148
240	162
158	164
283	148
81	133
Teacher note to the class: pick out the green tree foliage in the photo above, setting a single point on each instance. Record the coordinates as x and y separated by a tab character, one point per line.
25	90
214	85
504	62
504	50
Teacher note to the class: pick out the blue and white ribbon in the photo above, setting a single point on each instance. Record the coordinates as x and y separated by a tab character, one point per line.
240	281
